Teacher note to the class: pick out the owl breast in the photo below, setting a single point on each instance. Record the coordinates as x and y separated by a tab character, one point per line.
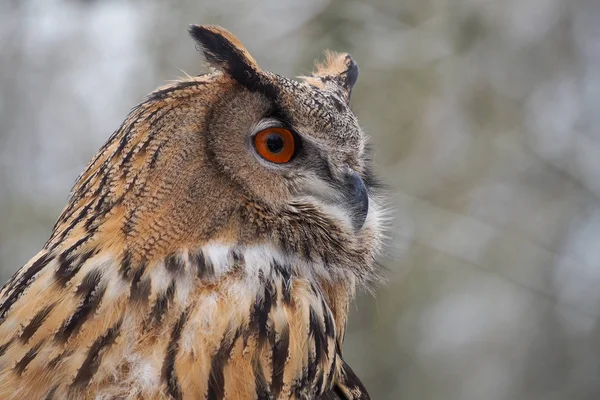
217	322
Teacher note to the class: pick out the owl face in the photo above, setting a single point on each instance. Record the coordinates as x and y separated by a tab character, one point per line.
304	146
291	144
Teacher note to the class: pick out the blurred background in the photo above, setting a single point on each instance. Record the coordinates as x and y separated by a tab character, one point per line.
484	116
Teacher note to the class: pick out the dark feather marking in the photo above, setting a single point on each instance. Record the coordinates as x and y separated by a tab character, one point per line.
337	104
321	345
126	264
314	359
237	256
56	360
174	263
329	324
350	382
140	290
92	292
82	259
124	138
287	292
162	304
260	382
155	156
216	380
5	346
87	255
158	124
309	375
102	207
262	307
125	161
332	368
104	186
89	282
149	118
27	358
128	225
67	267
318	385
82	213
204	266
301	383
51	393
63	273
94	357
286	284
86	186
168	368
280	355
20	284
125	132
8	283
35	323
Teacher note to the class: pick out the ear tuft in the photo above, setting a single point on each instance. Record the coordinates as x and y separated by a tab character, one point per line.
338	68
225	52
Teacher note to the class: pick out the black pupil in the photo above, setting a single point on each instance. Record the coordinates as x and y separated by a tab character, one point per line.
274	143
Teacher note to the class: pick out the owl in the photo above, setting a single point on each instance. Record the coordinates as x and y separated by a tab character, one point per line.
209	250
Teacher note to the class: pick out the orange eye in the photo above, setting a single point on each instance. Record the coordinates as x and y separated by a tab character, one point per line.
275	145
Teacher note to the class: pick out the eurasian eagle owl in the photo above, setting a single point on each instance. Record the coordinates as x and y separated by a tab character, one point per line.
209	249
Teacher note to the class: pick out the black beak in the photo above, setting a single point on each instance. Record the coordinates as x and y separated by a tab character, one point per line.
356	197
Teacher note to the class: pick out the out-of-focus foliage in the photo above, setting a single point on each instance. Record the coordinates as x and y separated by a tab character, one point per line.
484	119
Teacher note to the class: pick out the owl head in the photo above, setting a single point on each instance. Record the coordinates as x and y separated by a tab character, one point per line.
239	157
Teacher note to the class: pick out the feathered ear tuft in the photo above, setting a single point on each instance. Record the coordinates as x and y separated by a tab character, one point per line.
339	69
225	52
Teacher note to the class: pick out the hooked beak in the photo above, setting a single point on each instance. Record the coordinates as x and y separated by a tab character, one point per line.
356	198
347	192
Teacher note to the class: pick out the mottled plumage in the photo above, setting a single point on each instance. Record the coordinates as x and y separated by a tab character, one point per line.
186	266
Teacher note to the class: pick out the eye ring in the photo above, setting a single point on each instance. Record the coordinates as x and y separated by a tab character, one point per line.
276	145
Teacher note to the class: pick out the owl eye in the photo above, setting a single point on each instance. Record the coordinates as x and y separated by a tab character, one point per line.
275	145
